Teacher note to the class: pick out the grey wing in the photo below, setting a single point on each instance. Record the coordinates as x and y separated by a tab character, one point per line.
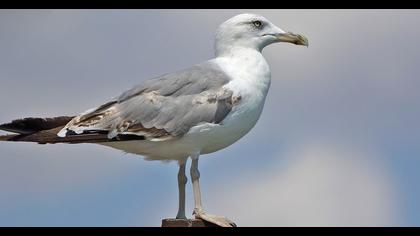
163	107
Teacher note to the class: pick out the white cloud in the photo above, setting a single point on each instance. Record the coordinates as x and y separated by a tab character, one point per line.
321	185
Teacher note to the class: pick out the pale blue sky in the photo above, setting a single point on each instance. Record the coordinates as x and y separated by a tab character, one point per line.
337	143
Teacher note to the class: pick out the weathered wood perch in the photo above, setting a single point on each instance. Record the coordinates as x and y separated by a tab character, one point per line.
186	223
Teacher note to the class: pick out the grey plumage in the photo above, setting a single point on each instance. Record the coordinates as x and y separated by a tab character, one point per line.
193	80
163	107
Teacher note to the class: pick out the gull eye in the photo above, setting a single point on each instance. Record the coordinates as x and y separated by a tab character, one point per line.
257	23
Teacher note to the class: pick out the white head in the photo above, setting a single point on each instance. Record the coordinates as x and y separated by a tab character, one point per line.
251	31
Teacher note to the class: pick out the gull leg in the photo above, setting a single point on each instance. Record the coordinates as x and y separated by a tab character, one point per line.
182	181
198	209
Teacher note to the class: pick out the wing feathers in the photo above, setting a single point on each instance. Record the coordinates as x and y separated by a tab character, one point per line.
50	136
164	107
32	124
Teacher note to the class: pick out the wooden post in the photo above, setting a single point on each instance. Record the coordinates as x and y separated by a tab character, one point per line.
186	223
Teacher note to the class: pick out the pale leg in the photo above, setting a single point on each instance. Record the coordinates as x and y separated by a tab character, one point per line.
182	181
198	209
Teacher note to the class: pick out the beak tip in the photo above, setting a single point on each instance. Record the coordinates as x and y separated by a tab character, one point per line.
306	44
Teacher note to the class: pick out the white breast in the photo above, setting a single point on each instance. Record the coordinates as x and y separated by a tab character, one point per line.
251	79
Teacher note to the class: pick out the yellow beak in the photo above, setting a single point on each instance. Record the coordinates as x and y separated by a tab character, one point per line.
290	37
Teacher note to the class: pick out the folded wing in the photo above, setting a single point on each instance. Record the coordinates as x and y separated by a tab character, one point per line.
162	108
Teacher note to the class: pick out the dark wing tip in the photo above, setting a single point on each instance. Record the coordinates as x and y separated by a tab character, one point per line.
15	127
31	124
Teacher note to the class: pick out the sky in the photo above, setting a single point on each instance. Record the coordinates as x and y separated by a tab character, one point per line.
336	144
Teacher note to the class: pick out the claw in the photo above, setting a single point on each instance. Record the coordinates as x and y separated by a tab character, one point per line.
217	220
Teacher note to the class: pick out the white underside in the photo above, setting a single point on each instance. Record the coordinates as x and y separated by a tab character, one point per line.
250	79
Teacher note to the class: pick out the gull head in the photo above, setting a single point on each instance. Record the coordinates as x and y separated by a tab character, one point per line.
252	31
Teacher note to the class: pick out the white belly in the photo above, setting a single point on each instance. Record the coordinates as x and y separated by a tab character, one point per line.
204	138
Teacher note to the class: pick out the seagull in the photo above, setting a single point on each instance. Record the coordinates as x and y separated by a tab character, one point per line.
181	115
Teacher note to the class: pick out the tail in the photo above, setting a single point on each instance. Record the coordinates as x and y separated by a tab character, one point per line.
7	137
44	130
